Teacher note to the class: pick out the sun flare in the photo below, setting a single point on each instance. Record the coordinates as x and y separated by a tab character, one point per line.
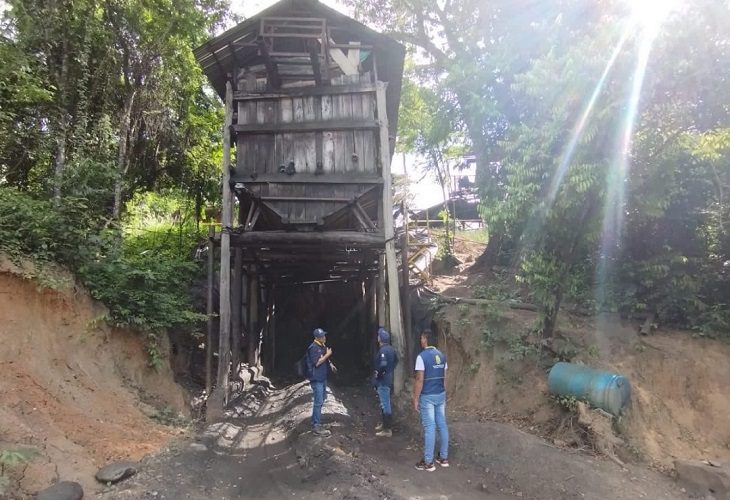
650	14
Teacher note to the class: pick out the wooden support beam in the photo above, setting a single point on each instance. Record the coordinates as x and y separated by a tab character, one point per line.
272	330
243	178
318	139
253	312
356	88
405	292
353	54
312	126
273	238
362	220
251	209
314	58
224	347
245	291
236	306
210	312
363	319
271	69
342	60
380	292
254	219
395	321
363	215
254	211
306	199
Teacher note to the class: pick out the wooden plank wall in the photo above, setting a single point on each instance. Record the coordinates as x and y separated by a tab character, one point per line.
342	152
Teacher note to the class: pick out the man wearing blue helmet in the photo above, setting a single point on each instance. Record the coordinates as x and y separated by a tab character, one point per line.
318	365
385	362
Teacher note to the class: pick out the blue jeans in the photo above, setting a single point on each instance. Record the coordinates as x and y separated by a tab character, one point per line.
433	415
384	395
319	393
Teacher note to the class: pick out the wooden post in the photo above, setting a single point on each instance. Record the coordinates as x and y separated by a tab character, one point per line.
380	307
395	321
237	301
264	346
236	305
209	311
224	340
406	296
272	330
453	235
364	332
253	315
244	306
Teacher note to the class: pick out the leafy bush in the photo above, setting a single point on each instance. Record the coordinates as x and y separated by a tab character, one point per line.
141	271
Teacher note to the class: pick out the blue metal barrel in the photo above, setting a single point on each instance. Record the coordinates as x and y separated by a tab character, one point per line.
605	390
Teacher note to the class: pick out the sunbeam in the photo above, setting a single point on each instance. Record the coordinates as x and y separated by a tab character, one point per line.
536	221
613	214
577	131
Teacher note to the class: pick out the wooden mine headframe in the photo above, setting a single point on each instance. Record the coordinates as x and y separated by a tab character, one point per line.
311	107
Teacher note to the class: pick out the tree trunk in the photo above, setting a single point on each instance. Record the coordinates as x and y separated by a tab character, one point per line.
59	161
122	154
551	314
491	253
568	258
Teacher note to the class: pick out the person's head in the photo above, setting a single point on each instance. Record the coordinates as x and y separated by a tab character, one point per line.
320	335
428	338
383	336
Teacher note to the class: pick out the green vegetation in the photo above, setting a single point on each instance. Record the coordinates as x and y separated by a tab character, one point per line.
141	268
475	235
568	403
602	144
110	149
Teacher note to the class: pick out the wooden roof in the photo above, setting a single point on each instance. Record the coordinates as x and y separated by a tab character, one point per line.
236	48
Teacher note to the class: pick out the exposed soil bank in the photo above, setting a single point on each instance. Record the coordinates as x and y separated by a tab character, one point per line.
71	387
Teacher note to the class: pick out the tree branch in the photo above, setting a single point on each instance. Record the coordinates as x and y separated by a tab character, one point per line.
424	43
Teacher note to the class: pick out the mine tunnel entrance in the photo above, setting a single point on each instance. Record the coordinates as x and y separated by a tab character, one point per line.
342	309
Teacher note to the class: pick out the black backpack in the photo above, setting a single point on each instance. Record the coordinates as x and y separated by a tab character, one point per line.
302	366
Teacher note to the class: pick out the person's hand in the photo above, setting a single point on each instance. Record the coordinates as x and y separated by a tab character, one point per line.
329	352
415	405
334	368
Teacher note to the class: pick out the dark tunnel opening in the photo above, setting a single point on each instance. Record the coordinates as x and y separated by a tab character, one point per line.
342	309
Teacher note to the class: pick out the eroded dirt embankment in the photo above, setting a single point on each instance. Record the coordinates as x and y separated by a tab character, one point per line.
70	386
680	402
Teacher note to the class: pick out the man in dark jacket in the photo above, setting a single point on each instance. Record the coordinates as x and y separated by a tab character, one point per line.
385	361
318	365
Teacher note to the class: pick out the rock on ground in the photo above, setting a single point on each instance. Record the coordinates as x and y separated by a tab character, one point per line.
116	471
704	478
64	490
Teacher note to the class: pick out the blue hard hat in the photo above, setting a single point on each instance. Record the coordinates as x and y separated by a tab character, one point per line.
318	332
383	335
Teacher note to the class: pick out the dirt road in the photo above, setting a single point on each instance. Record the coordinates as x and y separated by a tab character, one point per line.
274	455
